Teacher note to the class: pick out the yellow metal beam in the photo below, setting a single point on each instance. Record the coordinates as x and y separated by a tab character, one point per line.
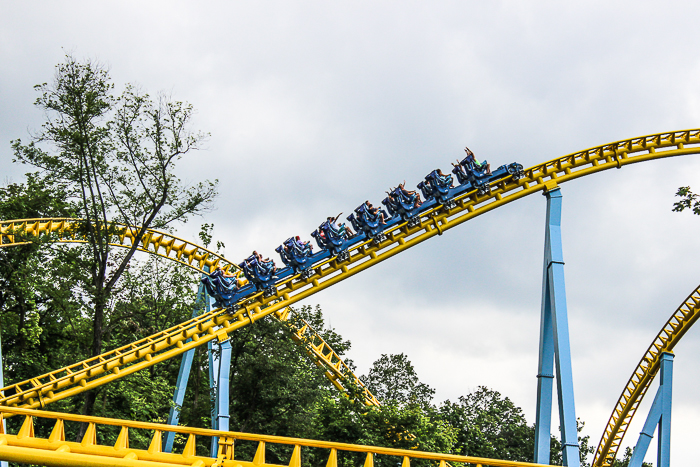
324	356
24	231
25	447
671	333
436	221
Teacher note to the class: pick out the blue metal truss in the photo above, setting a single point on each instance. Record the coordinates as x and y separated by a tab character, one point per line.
659	415
203	304
555	349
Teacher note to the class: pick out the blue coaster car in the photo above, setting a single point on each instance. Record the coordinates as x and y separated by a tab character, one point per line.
371	221
259	273
223	289
296	254
469	172
331	237
436	186
401	203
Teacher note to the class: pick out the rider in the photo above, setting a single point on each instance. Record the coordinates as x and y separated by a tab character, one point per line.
481	166
298	244
266	263
301	244
238	277
411	195
444	179
342	229
374	212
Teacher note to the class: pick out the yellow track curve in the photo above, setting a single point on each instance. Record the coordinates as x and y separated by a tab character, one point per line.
22	231
671	333
172	342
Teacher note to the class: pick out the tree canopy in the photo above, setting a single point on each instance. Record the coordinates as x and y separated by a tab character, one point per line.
113	160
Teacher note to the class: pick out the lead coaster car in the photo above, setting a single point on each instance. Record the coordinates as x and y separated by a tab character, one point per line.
468	172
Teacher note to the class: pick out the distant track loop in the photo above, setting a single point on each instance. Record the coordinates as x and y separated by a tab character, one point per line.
671	333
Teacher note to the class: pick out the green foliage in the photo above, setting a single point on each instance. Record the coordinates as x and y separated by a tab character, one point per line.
689	200
393	379
626	458
36	199
114	156
113	160
489	425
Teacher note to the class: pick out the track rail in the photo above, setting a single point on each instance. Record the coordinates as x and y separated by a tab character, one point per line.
636	388
25	447
169	343
336	370
25	231
430	223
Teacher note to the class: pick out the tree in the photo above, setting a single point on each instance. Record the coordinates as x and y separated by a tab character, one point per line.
489	425
35	307
392	378
689	200
626	458
406	420
114	157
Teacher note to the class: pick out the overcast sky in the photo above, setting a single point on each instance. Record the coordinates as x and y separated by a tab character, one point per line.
317	106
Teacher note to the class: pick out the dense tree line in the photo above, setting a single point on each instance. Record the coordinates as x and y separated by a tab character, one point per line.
60	304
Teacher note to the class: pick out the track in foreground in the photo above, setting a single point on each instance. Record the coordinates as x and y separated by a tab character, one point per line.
25	447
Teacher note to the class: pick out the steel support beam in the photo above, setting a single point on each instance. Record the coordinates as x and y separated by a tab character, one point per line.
220	408
202	306
659	415
2	385
213	391
555	349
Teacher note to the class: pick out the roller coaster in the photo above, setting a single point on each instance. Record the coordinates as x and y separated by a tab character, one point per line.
270	291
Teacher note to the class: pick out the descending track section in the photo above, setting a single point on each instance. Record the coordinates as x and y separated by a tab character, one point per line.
396	239
671	333
23	231
26	447
336	370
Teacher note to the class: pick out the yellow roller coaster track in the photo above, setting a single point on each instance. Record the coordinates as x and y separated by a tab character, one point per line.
25	447
671	333
436	221
25	231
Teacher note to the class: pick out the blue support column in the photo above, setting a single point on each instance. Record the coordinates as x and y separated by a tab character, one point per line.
659	415
220	414
214	359
2	385
202	305
554	345
545	378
